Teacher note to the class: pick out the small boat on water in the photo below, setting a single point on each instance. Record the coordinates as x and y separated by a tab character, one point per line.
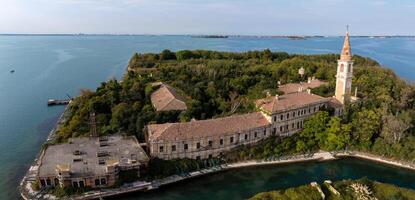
12	71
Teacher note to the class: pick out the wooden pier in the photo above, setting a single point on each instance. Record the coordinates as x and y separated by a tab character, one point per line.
52	102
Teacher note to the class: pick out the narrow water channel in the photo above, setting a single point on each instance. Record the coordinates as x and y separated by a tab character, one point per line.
245	182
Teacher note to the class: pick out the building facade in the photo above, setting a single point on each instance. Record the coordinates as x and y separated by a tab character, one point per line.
277	115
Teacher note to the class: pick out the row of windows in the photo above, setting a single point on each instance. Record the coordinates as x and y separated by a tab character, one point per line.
48	182
298	113
286	128
101	181
210	143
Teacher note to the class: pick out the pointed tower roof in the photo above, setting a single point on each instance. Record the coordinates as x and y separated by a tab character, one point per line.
346	51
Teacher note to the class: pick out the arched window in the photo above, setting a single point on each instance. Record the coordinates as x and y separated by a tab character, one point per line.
48	182
349	69
97	182
42	182
56	181
341	67
75	184
103	181
81	184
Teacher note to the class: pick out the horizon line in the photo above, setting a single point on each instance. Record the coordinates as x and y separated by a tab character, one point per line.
229	35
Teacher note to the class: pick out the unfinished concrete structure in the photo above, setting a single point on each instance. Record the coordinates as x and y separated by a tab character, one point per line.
90	162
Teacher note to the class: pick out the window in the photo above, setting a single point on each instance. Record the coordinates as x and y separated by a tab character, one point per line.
281	117
97	182
210	156
81	184
210	143
298	113
341	67
309	110
173	148
314	109
197	157
255	135
198	145
286	127
265	132
349	69
274	130
275	118
48	182
161	149
221	141
186	146
288	115
292	125
293	114
246	136
75	184
103	181
56	181
231	140
280	128
42	183
298	125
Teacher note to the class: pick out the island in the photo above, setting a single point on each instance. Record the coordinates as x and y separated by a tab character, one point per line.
345	189
178	115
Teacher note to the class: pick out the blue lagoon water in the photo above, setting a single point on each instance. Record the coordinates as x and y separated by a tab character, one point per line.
52	66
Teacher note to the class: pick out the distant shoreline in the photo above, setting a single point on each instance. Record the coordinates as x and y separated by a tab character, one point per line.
222	36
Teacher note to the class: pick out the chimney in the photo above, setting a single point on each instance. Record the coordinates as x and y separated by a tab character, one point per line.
300	89
313	78
309	91
309	80
276	97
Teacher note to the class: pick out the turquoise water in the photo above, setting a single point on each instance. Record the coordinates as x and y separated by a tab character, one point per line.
51	66
243	183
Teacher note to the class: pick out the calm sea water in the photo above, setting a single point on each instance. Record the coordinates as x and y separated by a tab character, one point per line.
53	66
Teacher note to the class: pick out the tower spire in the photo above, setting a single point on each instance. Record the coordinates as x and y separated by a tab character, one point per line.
346	50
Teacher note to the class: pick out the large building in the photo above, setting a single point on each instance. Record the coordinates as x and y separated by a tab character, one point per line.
90	162
277	115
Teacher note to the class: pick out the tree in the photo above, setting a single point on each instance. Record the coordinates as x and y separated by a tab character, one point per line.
366	125
394	128
120	116
338	135
167	55
313	135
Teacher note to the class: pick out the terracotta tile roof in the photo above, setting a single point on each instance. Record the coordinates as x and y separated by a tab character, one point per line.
295	87
334	103
288	101
166	98
206	128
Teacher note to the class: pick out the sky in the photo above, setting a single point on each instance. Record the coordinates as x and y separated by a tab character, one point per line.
230	17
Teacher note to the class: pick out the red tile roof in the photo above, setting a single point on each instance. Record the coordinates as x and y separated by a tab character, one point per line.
334	103
206	128
289	101
294	87
166	98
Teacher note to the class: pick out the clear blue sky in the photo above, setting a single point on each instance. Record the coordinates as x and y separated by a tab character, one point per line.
248	17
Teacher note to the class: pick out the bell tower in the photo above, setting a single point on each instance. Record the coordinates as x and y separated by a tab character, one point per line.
344	72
